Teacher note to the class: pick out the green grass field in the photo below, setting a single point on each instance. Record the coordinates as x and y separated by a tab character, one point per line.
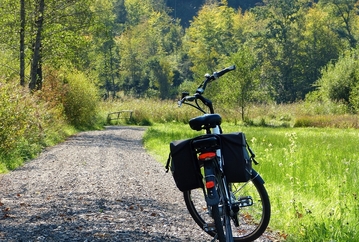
311	176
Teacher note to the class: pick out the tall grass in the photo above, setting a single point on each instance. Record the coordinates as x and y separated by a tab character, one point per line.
311	176
301	114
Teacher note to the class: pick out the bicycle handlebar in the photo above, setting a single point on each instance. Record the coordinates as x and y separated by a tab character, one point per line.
213	77
224	71
201	88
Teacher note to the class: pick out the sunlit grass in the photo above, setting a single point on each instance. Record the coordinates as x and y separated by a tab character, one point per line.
150	111
311	175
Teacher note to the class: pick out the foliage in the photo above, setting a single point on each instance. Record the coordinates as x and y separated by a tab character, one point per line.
242	87
104	54
340	80
210	38
345	14
64	34
138	48
81	100
15	118
28	123
146	69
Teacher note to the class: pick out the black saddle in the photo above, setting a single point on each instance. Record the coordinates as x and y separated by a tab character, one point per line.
205	121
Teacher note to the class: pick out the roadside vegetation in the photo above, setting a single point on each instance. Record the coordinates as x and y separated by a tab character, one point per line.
32	121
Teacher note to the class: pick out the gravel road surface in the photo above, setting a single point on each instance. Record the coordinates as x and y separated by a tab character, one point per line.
96	186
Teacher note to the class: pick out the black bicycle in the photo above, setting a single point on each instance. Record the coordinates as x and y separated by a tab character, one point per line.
223	194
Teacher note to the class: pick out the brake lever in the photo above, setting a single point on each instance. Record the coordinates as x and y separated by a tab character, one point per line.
186	98
179	103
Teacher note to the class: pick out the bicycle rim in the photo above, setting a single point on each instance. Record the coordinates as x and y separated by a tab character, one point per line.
252	219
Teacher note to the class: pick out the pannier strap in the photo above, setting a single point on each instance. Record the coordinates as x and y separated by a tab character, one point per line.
252	154
168	163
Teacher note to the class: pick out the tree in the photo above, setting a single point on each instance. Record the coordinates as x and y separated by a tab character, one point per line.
36	62
160	76
133	56
319	44
67	35
9	40
210	37
280	50
42	30
242	86
22	42
104	53
147	49
345	13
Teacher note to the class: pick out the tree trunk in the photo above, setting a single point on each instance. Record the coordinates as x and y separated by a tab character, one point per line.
36	69
22	42
112	73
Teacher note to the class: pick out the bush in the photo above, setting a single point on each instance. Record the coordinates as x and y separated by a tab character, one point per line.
18	118
354	97
28	123
81	101
340	80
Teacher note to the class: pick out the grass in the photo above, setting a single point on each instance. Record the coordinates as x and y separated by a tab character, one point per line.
311	176
301	114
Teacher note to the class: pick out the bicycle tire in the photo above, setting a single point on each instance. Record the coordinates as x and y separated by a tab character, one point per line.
252	223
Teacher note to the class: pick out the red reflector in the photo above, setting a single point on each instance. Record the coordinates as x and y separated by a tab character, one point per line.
210	184
206	156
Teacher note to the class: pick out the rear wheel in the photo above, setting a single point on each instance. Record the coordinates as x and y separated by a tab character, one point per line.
248	223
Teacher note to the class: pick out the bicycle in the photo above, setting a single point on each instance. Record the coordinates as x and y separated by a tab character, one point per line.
222	193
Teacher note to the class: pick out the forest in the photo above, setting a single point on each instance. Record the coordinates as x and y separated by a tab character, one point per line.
60	58
284	50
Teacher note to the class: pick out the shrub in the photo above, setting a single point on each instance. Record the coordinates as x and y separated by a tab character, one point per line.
27	123
81	101
51	98
354	97
139	118
339	80
18	118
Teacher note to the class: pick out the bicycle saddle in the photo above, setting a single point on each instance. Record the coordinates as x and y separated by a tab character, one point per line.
205	121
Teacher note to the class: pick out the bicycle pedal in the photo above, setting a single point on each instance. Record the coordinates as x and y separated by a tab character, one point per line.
235	207
245	201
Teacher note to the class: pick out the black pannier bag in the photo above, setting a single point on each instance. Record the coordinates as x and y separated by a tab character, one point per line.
184	165
236	159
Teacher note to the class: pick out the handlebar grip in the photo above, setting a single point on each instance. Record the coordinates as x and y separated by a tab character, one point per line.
184	99
224	71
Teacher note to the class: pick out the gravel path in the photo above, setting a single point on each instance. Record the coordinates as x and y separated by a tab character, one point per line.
96	186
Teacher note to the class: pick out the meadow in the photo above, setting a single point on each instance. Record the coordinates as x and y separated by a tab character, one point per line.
311	176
